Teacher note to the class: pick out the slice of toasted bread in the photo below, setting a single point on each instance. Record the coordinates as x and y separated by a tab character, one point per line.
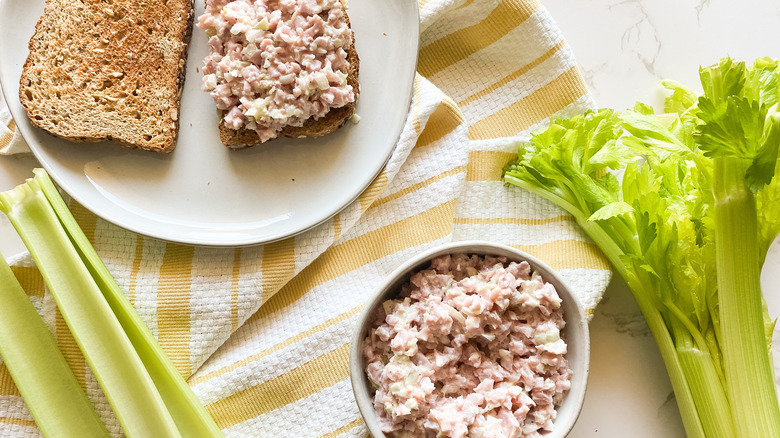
330	122
111	70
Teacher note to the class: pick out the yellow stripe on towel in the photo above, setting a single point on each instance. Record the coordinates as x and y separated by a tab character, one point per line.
286	343
31	280
236	275
487	165
444	119
303	381
459	45
70	349
515	75
7	136
541	104
512	220
5	139
278	266
568	254
345	257
373	191
173	305
7	386
415	187
17	421
347	427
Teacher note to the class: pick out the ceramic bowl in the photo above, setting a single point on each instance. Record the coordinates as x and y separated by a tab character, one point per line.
575	333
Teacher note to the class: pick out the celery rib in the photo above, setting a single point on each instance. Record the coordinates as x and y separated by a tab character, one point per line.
108	351
747	366
666	200
686	403
187	411
56	401
685	400
700	373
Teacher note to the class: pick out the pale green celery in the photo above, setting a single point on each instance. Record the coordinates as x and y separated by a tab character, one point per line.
768	206
650	307
647	305
740	130
747	366
107	349
637	281
683	230
700	372
187	411
646	226
691	370
49	388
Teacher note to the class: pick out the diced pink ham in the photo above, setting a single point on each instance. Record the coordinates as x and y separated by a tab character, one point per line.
254	47
471	349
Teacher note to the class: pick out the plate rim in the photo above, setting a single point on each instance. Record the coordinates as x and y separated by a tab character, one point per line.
26	129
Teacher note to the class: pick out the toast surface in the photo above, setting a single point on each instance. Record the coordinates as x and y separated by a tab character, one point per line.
330	122
112	70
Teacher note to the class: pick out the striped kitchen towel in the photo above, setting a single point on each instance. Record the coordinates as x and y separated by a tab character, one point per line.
262	332
11	141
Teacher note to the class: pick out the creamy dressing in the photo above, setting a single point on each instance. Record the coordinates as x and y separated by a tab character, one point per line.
276	63
471	349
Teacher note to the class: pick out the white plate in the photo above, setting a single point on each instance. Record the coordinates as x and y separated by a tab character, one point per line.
204	194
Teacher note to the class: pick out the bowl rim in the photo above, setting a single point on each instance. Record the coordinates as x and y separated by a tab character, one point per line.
578	324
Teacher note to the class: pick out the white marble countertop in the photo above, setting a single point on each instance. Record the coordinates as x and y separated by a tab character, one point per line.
624	47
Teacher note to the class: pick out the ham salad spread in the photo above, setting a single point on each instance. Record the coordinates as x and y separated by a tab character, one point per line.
471	349
274	63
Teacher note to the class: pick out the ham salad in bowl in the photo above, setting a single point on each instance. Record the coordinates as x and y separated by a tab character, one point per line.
471	339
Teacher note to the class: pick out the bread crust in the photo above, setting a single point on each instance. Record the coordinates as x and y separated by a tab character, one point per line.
109	71
330	122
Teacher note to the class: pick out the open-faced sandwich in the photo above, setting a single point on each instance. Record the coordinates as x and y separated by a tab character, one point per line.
279	68
111	70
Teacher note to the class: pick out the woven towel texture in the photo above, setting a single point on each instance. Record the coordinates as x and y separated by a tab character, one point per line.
262	332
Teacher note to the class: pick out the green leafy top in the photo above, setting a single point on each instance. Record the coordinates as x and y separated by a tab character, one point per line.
633	177
739	118
643	181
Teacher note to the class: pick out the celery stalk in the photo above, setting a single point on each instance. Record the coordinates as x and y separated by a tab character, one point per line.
187	411
710	400
650	309
747	366
49	388
107	349
672	200
739	129
676	366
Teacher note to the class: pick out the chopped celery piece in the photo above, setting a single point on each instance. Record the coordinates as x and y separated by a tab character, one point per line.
49	388
187	411
107	349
